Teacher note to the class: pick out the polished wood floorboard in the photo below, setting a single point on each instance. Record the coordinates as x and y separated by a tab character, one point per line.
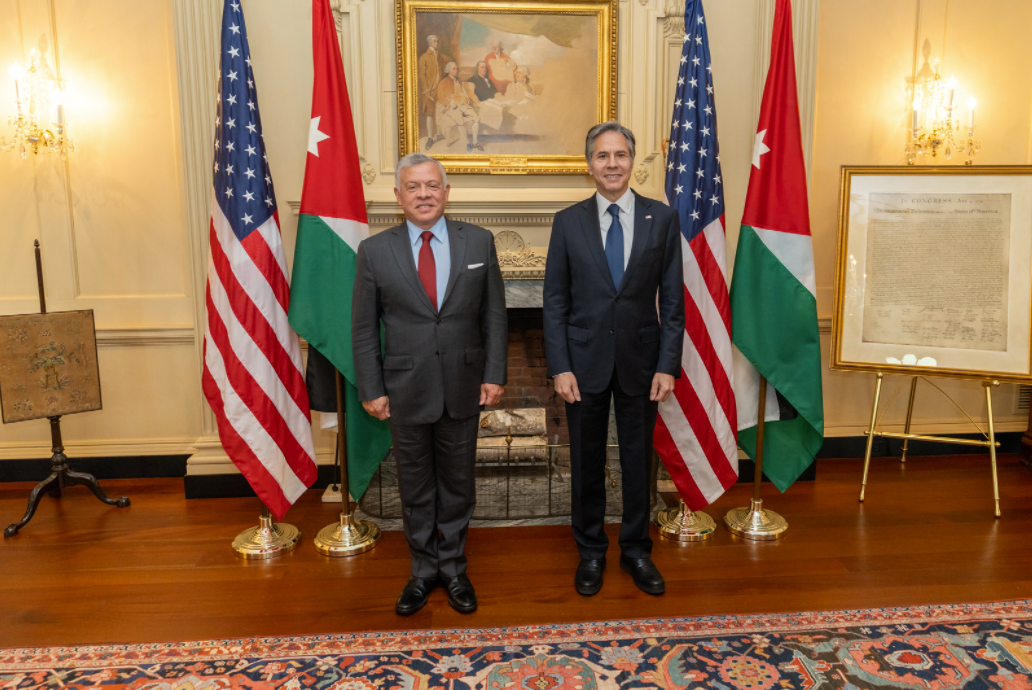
163	570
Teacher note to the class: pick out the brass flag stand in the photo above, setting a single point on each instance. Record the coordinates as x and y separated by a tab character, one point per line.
268	540
347	536
61	475
681	523
990	441
755	522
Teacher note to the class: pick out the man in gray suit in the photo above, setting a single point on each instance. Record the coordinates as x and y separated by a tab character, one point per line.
436	286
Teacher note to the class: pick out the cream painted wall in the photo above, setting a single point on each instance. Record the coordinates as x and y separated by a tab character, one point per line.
110	220
868	51
124	221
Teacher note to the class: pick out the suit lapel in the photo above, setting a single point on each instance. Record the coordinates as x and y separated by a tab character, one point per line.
403	255
593	238
642	233
457	249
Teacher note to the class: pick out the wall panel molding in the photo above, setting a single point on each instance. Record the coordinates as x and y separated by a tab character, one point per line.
141	337
99	448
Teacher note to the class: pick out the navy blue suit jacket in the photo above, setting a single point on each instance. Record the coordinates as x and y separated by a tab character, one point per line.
593	327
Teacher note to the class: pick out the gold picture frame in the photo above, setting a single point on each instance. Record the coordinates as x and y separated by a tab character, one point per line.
934	272
562	69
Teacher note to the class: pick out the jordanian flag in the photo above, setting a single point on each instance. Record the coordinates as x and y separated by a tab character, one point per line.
773	291
333	221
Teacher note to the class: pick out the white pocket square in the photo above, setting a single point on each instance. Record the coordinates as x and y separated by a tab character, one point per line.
474	266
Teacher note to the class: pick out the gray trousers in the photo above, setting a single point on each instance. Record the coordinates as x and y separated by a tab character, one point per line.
436	482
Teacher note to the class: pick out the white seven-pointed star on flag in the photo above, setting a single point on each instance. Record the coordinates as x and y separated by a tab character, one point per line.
759	148
315	136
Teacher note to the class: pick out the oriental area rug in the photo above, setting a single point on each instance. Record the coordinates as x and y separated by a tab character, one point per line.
926	648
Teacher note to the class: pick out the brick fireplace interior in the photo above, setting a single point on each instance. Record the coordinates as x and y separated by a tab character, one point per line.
529	384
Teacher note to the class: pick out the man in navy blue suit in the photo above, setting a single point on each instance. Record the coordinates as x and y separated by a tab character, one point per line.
614	327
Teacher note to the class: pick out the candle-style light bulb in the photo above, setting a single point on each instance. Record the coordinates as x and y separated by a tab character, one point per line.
951	86
917	111
57	115
16	72
971	102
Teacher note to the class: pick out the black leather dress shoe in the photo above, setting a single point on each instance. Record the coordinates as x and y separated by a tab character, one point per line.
413	595
646	576
588	579
461	595
429	144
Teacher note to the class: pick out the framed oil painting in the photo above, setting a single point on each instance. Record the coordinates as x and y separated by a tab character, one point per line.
48	365
935	272
504	87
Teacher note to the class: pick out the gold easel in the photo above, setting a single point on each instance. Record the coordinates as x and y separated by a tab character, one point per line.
990	442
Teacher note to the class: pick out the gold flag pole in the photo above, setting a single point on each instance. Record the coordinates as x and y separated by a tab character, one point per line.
755	522
268	540
348	536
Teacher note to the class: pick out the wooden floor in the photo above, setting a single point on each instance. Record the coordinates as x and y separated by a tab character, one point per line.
162	569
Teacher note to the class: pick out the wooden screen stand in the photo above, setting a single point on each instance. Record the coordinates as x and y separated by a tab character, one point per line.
60	474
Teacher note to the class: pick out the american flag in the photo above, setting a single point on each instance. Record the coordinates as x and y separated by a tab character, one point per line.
696	435
252	378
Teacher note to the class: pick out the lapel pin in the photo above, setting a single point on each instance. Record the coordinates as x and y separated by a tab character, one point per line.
648	217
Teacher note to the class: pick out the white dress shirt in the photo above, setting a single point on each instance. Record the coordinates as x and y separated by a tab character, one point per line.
626	204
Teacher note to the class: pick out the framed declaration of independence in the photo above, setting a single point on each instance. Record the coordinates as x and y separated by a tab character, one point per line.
487	86
935	272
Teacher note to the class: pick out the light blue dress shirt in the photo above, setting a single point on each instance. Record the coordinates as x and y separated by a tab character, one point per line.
626	204
441	249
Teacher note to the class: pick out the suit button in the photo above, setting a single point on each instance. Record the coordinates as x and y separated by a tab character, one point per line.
612	330
440	321
437	353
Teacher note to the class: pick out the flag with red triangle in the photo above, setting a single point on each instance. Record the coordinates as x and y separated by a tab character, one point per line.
332	223
773	290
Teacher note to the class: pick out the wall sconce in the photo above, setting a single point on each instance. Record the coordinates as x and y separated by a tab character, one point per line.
40	104
942	130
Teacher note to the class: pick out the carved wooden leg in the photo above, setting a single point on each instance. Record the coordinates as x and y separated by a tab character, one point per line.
34	497
90	482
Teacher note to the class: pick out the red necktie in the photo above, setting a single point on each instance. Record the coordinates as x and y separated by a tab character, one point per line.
428	268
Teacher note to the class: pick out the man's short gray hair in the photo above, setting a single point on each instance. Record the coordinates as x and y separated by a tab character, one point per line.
431	38
447	68
414	159
600	129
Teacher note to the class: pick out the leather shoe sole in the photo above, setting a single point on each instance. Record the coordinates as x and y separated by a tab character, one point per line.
584	586
646	585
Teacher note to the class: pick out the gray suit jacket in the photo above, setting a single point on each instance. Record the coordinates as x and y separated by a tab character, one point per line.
430	361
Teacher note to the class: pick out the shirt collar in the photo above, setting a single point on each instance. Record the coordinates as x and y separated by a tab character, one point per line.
440	230
626	202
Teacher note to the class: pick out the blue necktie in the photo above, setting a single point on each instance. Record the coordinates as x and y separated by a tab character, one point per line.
614	246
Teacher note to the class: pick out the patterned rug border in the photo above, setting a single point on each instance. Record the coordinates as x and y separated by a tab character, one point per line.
105	656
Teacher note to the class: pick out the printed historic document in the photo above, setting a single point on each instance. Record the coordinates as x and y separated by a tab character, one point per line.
937	270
